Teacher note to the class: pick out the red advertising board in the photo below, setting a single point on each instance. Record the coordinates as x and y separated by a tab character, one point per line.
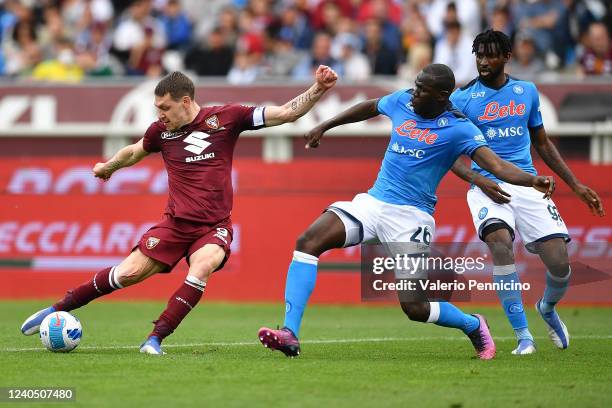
58	224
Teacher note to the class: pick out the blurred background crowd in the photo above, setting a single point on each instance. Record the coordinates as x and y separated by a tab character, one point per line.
249	40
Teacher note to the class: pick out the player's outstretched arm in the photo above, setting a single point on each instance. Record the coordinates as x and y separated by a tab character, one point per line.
297	107
549	153
356	113
125	157
508	172
488	186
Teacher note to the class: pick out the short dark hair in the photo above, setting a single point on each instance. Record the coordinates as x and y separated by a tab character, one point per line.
442	75
489	38
177	85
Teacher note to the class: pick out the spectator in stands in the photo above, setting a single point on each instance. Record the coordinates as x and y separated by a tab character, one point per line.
547	20
380	11
245	69
212	57
280	55
132	28
525	62
61	68
383	61
501	20
295	28
93	51
355	65
21	49
176	25
436	11
146	57
319	55
455	50
597	57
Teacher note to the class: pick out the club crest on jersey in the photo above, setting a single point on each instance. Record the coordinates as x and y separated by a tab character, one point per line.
517	89
483	213
442	122
494	111
409	129
212	122
152	242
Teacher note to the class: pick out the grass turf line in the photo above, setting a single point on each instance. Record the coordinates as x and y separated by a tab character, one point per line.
409	363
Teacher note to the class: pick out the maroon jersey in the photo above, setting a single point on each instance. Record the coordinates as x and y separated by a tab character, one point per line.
198	158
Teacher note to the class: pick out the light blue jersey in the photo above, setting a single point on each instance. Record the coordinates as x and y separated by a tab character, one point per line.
504	116
420	152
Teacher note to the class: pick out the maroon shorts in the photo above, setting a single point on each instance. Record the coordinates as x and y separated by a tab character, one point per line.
173	239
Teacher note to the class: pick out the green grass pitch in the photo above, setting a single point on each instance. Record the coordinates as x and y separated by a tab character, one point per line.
351	357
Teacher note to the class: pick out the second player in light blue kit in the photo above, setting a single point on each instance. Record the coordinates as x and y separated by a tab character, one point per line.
428	136
507	111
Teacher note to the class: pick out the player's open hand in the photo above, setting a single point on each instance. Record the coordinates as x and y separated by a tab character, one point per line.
313	137
591	199
544	184
492	190
101	171
326	77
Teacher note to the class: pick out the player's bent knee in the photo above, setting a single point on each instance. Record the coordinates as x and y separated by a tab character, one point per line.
417	311
500	243
308	242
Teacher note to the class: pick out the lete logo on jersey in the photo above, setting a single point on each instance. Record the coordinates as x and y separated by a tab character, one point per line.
494	111
409	129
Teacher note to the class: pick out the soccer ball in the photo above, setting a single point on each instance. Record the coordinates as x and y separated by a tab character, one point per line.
60	332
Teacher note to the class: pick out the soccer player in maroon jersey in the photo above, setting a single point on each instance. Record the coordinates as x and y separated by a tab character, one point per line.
197	145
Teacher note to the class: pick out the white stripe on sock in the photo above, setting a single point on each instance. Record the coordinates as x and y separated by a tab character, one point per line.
560	279
114	274
434	312
110	278
305	258
504	269
195	282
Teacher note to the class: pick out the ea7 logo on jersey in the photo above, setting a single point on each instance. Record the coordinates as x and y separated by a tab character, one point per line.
196	141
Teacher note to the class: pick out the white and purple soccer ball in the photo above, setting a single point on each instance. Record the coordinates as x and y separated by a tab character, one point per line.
60	332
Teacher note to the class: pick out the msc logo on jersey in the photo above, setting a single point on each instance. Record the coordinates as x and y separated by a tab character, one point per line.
517	89
409	129
483	213
494	111
510	131
442	122
196	142
418	153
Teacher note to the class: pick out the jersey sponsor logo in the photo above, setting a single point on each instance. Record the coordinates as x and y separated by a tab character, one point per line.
206	156
152	242
397	148
480	94
172	135
483	213
494	111
196	142
510	131
212	122
409	129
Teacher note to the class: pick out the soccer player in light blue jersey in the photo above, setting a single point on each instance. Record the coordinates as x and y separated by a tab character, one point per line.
507	111
428	136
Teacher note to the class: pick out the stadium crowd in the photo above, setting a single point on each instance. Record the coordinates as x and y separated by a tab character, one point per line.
248	40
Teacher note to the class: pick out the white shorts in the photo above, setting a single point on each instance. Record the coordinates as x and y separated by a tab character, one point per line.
535	218
367	219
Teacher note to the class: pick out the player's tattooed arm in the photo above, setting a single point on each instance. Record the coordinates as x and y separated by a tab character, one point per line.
508	172
125	157
488	186
356	113
549	153
297	107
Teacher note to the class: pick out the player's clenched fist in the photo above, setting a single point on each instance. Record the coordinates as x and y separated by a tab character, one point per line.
313	137
101	171
326	77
